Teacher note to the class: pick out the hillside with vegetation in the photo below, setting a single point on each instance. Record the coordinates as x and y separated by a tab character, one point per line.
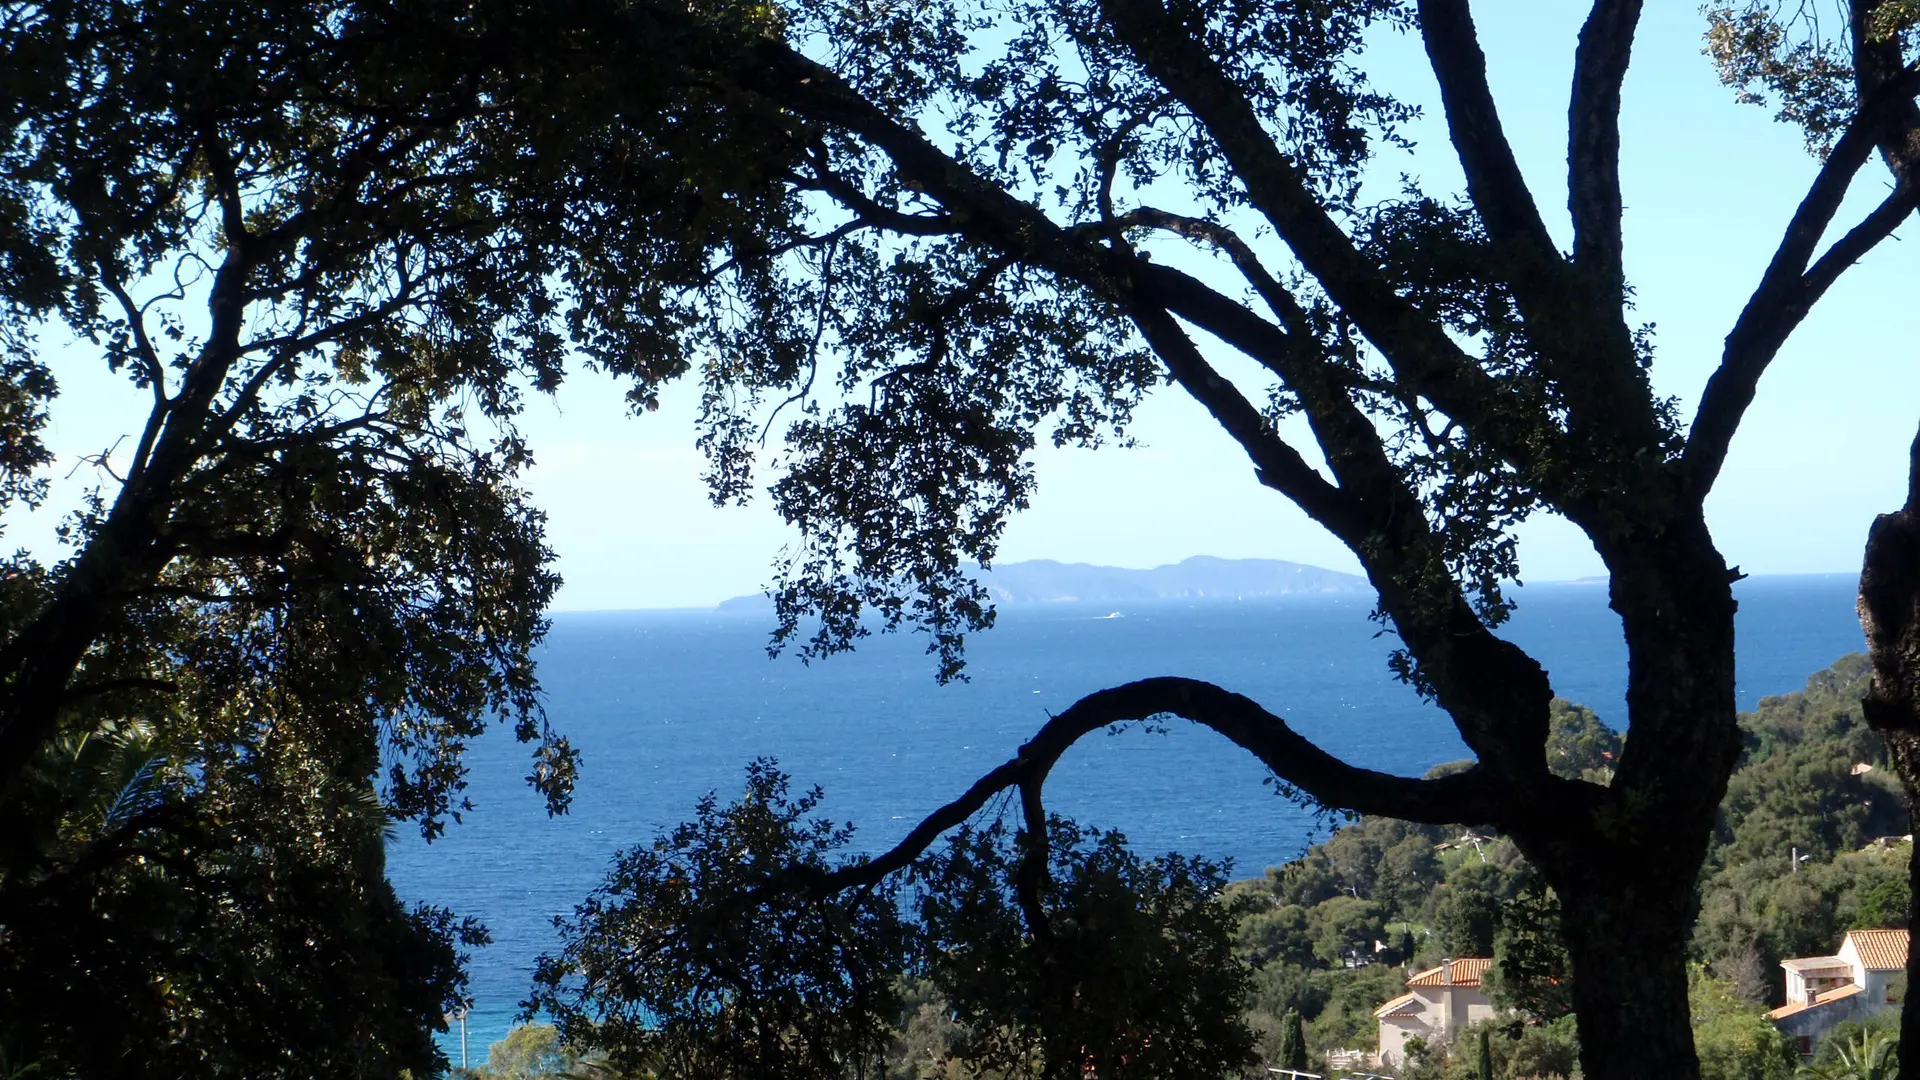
1335	933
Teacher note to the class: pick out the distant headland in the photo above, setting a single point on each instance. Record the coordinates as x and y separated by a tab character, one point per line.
1043	581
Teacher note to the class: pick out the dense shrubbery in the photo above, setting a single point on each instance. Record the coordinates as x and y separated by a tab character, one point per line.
1798	788
1797	791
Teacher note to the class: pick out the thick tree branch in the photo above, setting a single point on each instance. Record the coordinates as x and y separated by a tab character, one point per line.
1789	287
1421	352
1494	181
1575	314
1465	796
1593	143
1279	300
1889	608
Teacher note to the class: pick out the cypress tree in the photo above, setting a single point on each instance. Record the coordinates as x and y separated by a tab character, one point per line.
1293	1042
1486	1056
1403	945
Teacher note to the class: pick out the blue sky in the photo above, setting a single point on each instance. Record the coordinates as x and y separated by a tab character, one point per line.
1708	185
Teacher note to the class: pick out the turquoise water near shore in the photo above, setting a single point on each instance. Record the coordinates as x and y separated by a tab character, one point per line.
666	706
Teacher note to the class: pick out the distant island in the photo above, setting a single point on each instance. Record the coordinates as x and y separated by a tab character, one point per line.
1043	581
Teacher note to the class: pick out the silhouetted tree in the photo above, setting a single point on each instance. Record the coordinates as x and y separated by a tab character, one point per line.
989	258
332	245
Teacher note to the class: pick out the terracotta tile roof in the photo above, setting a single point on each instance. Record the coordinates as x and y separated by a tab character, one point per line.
1789	1009
1816	1001
1881	950
1465	972
1404	1005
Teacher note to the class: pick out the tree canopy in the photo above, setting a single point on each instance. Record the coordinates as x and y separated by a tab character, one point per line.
337	243
1008	223
335	246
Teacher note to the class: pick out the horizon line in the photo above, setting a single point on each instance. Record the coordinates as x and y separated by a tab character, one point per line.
1587	581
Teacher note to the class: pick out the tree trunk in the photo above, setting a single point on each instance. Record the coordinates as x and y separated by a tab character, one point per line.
1625	859
1627	936
1890	615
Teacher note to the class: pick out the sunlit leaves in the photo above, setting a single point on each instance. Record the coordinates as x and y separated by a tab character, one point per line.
1777	57
1799	58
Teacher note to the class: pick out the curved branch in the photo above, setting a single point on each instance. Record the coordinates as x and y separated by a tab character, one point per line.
1282	302
1464	796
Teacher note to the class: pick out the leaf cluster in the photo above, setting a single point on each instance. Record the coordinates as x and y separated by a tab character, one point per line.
720	949
1128	972
178	904
1801	59
706	950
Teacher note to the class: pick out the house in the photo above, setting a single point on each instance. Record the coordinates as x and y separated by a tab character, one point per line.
1438	1003
1868	974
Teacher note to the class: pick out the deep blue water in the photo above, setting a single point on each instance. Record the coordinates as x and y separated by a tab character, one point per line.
666	706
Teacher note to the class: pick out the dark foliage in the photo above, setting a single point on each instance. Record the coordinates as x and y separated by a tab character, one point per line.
334	245
692	954
1107	963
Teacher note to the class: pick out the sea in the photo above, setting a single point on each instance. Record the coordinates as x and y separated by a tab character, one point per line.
666	706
